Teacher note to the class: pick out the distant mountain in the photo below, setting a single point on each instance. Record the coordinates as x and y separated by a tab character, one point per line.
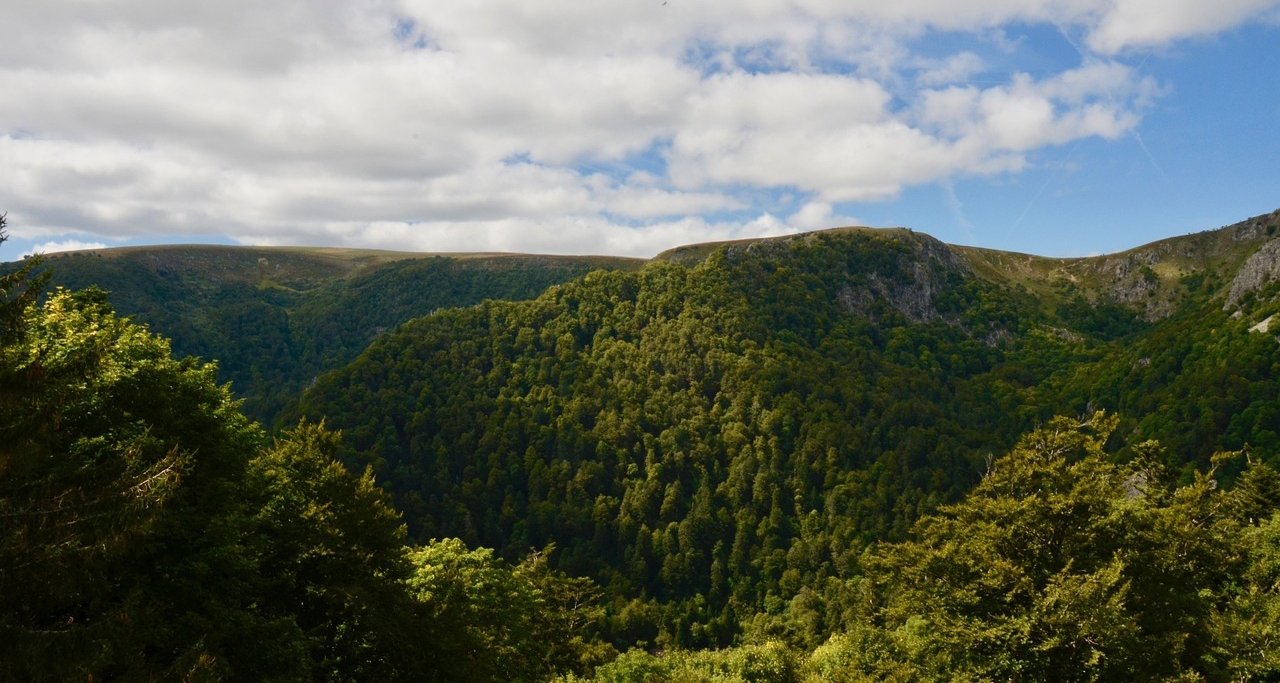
275	318
720	434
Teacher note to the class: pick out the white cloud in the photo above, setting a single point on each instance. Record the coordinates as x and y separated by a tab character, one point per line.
1098	99
957	68
819	216
552	126
574	235
1142	23
650	202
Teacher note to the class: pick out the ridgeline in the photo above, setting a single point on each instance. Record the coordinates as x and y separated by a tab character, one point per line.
838	455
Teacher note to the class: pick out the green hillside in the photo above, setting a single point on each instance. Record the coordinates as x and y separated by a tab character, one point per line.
150	532
719	435
275	318
849	455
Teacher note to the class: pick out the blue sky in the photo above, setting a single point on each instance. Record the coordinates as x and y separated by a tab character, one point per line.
1204	155
1058	127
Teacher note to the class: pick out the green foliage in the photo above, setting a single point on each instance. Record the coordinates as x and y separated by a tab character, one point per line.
566	617
1106	321
118	475
17	290
715	445
275	319
1061	565
1247	632
494	622
709	441
331	550
148	531
482	609
1199	382
766	663
860	655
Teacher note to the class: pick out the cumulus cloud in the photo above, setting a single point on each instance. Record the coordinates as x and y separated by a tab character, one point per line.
1142	23
560	125
959	67
818	215
576	235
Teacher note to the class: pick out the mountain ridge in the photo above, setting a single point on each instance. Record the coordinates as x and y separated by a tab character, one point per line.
257	309
717	436
789	399
1169	258
275	317
1247	230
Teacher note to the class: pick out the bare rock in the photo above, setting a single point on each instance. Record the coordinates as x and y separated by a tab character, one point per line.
1256	228
921	274
1259	269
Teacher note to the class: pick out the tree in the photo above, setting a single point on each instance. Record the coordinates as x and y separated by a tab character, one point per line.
568	617
149	531
489	621
483	614
1246	631
120	517
1061	565
17	290
331	548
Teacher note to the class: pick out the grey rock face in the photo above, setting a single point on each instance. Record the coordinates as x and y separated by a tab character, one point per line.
922	274
1258	270
1255	228
1130	279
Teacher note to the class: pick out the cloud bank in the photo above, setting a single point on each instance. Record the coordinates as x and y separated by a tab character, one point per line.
552	126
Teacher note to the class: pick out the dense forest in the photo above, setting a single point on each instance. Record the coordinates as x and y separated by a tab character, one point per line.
276	318
149	531
833	457
715	442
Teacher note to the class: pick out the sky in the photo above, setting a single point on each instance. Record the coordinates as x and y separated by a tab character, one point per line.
1055	127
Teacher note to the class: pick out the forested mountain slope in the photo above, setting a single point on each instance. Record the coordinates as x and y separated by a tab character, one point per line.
835	455
149	531
720	434
274	318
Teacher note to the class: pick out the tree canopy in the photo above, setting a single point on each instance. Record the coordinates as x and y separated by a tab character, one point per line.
148	530
1060	565
790	470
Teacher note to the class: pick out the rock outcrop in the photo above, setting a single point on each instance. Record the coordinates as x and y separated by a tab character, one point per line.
922	272
1259	269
